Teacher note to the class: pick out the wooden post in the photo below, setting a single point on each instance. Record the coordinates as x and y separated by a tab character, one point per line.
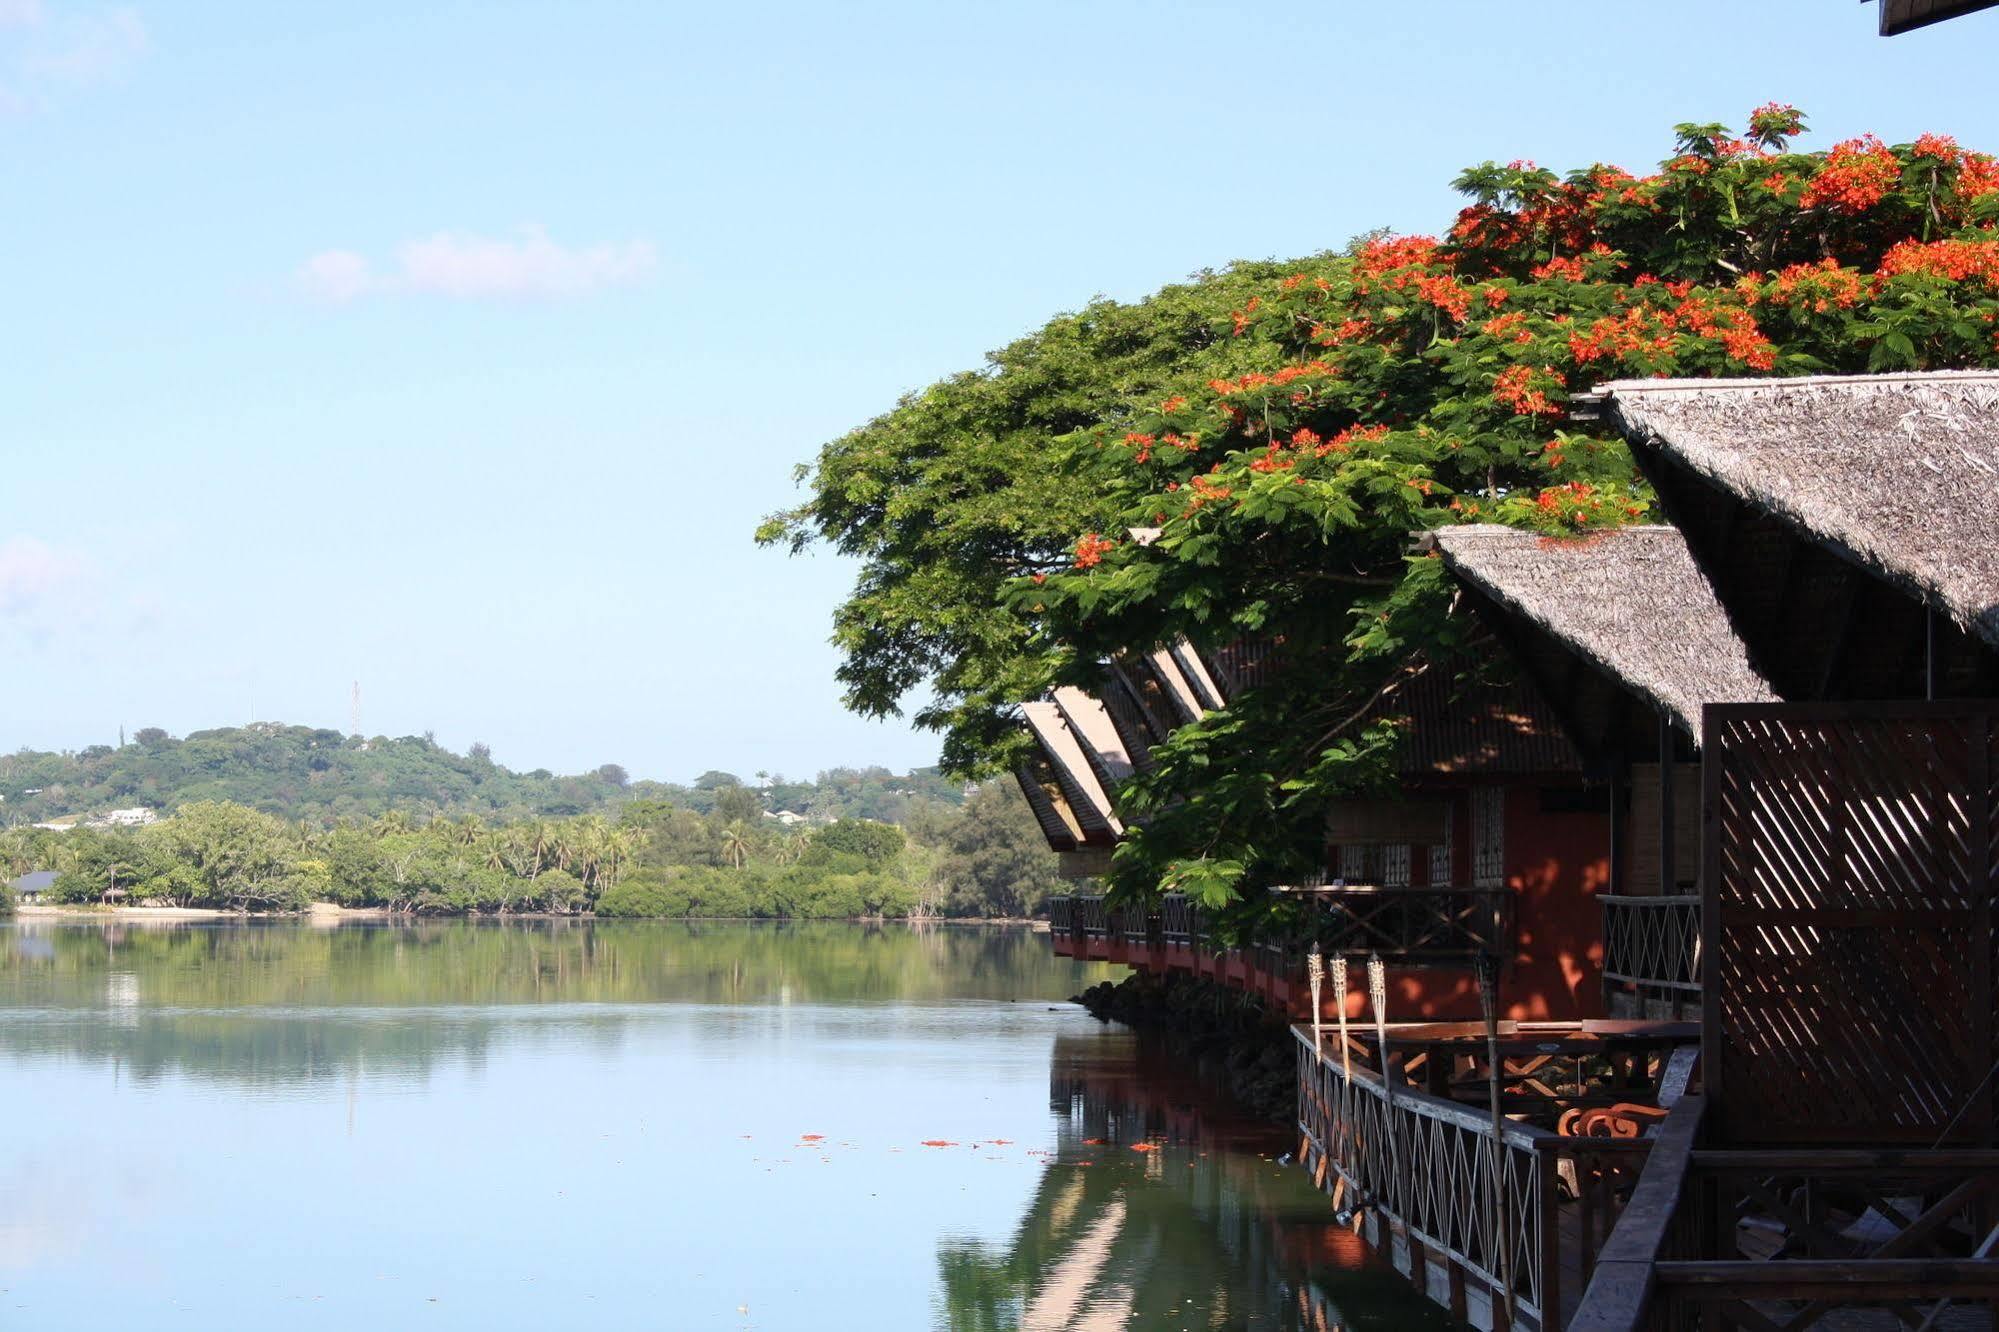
1929	652
1488	999
1669	873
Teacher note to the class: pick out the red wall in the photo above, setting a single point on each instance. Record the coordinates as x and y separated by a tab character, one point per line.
1556	864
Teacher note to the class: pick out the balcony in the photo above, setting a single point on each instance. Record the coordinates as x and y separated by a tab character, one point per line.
1652	955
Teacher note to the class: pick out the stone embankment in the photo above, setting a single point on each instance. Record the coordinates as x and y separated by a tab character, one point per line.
1242	1042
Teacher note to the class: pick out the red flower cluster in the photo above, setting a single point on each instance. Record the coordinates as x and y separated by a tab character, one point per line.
1774	122
1444	293
1272	460
1392	252
1091	549
1957	260
1856	175
1816	287
1346	439
1256	379
1515	388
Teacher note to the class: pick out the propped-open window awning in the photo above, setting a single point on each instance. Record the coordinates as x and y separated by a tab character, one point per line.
1086	796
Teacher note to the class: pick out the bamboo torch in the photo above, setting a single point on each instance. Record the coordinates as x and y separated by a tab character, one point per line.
1315	970
1377	995
1488	1000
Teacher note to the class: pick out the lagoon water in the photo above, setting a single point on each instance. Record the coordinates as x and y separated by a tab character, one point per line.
567	1124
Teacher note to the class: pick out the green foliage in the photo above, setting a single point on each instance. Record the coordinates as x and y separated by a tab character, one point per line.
991	857
876	844
951	495
656	860
1331	408
297	772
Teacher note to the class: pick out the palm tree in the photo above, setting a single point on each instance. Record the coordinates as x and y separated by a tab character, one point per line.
736	843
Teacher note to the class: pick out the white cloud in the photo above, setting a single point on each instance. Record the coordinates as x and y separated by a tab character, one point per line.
336	275
43	54
90	48
468	267
34	574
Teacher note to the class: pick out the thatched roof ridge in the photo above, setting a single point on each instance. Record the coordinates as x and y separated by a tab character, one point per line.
1898	473
1631	601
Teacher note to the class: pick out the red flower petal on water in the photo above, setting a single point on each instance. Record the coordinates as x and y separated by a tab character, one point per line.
938	1142
812	1137
1145	1146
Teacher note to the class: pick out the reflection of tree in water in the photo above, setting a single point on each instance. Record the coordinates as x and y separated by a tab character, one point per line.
290	1003
1207	1232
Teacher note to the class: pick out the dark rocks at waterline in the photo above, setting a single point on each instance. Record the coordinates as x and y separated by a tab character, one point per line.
1246	1043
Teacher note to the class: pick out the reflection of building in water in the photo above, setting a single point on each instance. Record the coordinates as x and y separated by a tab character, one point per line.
1203	1229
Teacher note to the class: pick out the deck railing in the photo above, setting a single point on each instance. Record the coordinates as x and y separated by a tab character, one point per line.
1407	922
1426	1170
1422	923
1652	947
1673	1260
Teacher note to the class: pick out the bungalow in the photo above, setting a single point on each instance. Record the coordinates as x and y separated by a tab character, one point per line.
31	887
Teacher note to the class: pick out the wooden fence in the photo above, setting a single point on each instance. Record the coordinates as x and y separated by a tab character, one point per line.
1467	1223
1848	950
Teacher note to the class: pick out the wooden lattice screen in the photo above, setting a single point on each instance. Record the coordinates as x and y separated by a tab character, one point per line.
1847	885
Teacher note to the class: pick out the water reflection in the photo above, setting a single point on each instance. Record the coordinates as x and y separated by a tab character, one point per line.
540	1124
1164	1207
284	1005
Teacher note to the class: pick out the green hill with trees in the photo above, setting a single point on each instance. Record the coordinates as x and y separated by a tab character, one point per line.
274	818
320	775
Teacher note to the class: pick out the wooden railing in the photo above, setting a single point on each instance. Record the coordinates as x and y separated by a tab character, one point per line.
1673	1261
1424	923
1406	922
1428	1172
1652	944
1180	921
1619	1296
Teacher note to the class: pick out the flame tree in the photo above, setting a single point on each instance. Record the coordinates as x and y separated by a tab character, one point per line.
1287	427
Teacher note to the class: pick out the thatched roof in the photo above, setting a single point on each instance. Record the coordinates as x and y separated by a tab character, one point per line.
1631	601
1899	16
1460	725
1897	473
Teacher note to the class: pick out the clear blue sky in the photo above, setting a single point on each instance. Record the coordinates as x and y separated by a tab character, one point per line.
457	348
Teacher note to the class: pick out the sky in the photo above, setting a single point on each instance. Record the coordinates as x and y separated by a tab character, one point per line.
456	349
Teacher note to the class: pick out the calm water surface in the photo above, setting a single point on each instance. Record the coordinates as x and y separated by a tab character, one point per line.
475	1125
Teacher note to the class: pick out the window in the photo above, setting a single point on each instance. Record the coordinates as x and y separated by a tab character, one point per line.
1395	861
1488	837
1441	870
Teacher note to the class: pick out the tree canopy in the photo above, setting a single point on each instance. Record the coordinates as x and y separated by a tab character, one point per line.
1334	406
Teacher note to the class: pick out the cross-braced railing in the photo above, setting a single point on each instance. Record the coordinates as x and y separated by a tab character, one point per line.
1407	922
1428	1167
1061	914
1652	945
1091	919
1179	920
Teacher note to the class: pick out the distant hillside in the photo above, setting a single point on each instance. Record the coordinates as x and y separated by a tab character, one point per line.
299	772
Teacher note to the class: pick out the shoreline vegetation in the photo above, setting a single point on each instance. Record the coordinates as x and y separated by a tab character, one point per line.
717	850
334	913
